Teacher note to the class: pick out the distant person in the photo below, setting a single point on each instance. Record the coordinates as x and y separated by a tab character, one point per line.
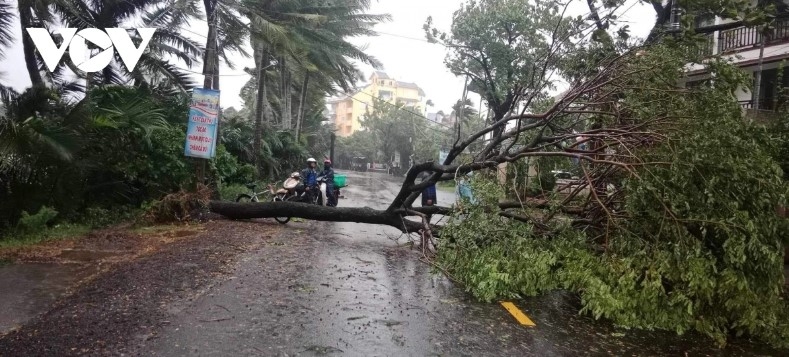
428	193
328	173
464	188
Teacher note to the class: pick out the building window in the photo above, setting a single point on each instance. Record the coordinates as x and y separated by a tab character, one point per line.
385	95
697	83
773	90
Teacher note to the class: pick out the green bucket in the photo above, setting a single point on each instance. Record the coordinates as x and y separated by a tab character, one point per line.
339	180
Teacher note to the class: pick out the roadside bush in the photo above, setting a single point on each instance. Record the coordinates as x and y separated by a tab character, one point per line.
38	222
229	169
99	217
230	192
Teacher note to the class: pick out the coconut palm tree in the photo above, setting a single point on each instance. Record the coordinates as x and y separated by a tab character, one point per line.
304	39
167	41
6	20
6	38
33	13
308	38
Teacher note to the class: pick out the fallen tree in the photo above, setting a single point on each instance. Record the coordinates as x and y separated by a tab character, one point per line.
669	226
551	132
396	219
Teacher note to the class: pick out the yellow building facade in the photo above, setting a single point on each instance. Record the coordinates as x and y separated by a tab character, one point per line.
348	111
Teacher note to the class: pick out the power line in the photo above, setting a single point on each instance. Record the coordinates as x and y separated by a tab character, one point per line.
410	38
220	75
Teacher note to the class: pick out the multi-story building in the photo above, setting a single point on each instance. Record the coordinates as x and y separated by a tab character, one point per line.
348	111
743	46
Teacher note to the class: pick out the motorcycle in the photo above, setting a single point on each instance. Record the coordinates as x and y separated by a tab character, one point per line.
286	193
295	191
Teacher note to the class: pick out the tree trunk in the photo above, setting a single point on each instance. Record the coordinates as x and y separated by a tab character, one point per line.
302	103
210	66
261	102
331	149
106	75
28	47
210	76
88	87
319	213
284	94
758	81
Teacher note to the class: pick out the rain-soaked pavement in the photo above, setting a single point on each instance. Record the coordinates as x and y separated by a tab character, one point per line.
28	289
324	288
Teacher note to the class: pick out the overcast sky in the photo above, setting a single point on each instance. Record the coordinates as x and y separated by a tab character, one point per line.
401	47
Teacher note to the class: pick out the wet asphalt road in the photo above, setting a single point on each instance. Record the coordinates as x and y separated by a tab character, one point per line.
324	288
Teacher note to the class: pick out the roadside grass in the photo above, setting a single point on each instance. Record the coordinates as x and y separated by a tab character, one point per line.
58	231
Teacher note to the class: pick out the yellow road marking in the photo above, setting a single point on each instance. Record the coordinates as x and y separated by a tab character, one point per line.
517	314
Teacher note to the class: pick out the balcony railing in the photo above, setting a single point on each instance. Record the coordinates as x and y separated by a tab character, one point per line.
746	104
748	37
705	50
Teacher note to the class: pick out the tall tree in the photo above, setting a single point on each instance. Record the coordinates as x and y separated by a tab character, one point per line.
313	37
33	13
6	38
166	16
506	52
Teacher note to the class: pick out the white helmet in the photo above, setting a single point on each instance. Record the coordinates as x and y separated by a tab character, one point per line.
295	175
311	160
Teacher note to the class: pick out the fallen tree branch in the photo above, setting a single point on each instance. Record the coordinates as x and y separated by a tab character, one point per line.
540	204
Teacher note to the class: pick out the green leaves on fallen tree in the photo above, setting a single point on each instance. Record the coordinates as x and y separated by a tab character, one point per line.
697	246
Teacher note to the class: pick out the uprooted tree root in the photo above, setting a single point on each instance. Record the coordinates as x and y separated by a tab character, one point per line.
182	206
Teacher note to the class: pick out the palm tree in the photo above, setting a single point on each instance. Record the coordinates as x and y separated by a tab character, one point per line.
167	41
6	20
227	33
464	111
306	39
329	54
33	13
6	38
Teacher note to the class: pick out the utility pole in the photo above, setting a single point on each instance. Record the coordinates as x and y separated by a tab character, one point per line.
331	149
758	80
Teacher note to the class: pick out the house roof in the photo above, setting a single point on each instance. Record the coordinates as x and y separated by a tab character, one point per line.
381	75
411	86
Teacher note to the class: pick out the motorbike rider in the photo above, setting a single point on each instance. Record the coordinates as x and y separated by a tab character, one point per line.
328	173
310	177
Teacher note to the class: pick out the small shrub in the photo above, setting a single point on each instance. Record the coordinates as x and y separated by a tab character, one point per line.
230	192
98	217
36	223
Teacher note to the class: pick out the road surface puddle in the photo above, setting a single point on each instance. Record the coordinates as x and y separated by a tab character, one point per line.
29	289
